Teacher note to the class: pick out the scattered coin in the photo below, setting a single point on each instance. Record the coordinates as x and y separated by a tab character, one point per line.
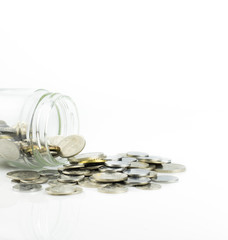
23	187
113	188
76	172
110	170
49	172
152	174
117	164
129	159
137	172
70	179
89	184
170	168
165	179
139	165
149	186
110	177
23	175
87	156
137	154
39	180
54	182
137	181
63	190
154	160
71	145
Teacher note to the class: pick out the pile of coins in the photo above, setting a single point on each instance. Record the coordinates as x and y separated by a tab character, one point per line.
109	174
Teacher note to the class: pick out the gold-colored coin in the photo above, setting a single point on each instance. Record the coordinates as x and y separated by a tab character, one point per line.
92	161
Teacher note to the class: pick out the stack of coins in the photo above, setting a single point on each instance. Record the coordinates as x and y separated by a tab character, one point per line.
109	174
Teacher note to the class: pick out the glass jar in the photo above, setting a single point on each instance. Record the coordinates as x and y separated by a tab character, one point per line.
29	118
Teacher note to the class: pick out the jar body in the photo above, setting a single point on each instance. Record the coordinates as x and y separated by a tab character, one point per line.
32	117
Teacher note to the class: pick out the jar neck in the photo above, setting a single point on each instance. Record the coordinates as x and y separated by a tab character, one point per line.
47	114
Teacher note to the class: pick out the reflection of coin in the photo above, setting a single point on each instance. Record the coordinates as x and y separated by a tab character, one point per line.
71	145
165	179
149	186
23	187
63	190
137	154
110	177
137	172
170	168
137	181
56	182
23	175
39	180
113	188
89	184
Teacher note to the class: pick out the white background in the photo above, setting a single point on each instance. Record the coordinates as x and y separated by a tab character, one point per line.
146	75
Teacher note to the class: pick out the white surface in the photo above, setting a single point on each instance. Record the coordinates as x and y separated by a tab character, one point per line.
146	75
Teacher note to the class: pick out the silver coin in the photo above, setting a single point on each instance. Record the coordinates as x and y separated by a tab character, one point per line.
171	168
8	130
73	166
89	184
9	151
71	145
110	177
76	172
87	156
139	165
152	166
129	159
70	179
152	174
94	167
49	172
23	175
137	181
165	179
63	190
137	172
117	164
110	170
3	124
39	180
154	160
23	187
137	154
113	188
92	179
149	186
55	182
113	158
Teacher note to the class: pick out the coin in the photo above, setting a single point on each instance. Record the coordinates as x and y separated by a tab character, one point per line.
152	174
170	168
137	181
63	190
76	172
113	188
9	151
71	145
70	179
139	165
72	166
137	154
89	184
152	166
23	175
92	162
129	159
87	156
110	170
23	187
117	164
154	160
49	172
165	179
110	177
149	186
39	180
7	137
54	182
137	172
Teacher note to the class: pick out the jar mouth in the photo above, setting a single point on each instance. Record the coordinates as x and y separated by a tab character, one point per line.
53	114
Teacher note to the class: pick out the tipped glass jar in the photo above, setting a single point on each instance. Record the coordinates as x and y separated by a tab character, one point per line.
31	122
